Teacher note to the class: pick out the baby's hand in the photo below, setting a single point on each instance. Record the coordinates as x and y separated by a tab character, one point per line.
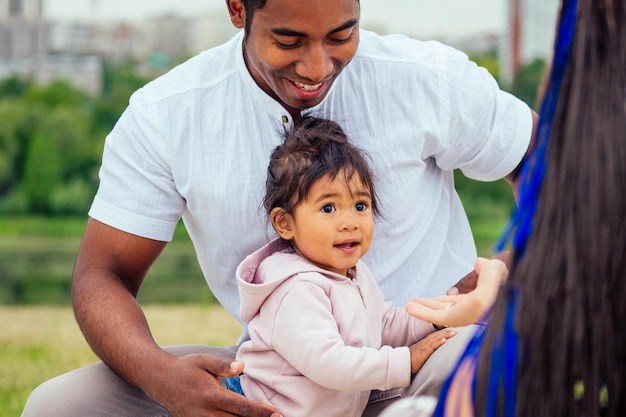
421	351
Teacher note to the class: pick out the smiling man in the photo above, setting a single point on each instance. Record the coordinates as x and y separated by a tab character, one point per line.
193	144
296	51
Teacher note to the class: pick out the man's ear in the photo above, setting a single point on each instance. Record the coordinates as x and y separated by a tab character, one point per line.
237	13
282	222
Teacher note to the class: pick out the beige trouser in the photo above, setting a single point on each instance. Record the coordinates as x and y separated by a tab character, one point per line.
96	391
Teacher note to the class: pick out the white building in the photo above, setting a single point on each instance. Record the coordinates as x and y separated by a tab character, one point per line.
529	35
24	49
22	30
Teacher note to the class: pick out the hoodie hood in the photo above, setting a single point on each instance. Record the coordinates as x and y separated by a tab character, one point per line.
266	269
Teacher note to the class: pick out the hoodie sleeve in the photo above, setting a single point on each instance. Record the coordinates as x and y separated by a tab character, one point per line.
313	345
402	329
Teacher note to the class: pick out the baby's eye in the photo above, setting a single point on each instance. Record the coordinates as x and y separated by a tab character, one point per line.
361	206
328	208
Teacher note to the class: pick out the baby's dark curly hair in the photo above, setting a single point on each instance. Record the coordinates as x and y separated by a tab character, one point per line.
312	149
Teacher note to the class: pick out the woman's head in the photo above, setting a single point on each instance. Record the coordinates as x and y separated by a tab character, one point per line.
567	285
320	195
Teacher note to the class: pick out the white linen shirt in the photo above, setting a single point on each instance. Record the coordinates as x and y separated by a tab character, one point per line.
196	143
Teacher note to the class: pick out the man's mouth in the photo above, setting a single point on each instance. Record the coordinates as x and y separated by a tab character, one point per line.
307	87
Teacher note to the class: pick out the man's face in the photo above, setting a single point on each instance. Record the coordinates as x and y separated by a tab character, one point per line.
295	49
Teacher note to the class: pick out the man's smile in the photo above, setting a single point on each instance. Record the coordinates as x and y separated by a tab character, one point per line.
308	87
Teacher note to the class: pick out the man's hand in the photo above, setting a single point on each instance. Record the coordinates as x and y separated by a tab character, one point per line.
468	282
465	284
189	387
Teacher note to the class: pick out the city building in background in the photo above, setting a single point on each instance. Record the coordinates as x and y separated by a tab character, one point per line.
22	30
529	35
25	49
43	51
76	51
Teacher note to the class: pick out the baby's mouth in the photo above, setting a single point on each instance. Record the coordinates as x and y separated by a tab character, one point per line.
346	245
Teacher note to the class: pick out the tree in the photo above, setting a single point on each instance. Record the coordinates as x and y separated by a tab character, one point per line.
528	80
16	127
42	172
13	86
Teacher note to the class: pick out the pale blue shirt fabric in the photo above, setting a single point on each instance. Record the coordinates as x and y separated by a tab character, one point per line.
196	143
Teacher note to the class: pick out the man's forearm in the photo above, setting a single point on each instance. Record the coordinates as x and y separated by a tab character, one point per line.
115	327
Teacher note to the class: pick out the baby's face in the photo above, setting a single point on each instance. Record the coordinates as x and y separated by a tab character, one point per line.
333	226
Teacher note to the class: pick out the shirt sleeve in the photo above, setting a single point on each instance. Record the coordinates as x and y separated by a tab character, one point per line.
137	193
488	131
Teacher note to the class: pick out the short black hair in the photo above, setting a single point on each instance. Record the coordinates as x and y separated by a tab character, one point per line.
250	6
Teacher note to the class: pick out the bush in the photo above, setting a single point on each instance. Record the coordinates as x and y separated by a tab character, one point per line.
73	197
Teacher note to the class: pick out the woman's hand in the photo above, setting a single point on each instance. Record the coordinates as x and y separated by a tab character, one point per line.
463	309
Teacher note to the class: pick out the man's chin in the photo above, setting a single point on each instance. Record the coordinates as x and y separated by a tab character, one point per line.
300	105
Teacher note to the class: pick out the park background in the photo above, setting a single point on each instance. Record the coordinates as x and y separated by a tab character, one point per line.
51	139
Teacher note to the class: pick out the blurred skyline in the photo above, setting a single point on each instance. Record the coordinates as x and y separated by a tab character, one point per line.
421	18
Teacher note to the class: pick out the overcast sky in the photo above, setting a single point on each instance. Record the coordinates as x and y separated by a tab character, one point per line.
424	18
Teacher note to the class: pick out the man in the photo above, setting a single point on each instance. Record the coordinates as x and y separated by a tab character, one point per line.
195	144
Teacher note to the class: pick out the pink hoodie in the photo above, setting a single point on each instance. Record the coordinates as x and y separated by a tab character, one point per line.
320	341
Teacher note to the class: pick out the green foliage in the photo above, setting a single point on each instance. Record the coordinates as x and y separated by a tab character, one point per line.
15	132
120	81
59	93
488	61
73	198
528	82
13	87
488	206
484	200
51	140
42	172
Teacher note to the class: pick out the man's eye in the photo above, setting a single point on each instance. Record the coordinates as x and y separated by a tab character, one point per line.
290	45
360	206
328	208
342	40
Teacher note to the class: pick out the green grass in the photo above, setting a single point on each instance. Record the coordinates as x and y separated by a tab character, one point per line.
40	342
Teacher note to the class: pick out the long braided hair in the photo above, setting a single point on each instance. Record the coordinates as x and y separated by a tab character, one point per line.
555	345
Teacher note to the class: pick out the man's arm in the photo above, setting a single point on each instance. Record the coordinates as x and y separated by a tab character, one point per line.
512	178
110	268
468	282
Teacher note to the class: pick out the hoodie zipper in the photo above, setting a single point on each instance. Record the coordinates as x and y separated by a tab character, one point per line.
358	288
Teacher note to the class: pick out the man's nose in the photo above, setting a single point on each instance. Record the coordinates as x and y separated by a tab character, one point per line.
315	65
